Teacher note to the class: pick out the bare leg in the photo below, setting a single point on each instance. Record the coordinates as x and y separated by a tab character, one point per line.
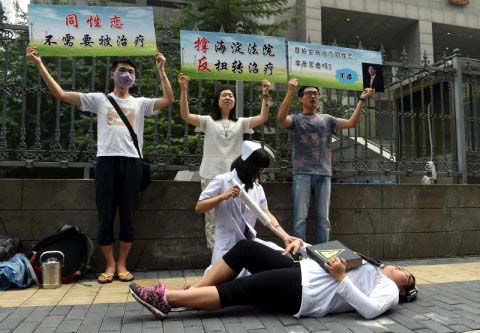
122	258
109	259
109	262
204	298
219	273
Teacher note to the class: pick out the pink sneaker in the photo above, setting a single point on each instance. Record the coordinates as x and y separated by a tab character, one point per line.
152	298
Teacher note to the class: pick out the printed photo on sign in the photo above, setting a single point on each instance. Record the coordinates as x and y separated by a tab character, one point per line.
65	31
329	66
373	76
224	56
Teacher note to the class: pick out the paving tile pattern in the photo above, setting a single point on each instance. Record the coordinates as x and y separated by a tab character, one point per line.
448	305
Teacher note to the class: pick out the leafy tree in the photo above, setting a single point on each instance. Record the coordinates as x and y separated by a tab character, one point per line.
256	16
206	13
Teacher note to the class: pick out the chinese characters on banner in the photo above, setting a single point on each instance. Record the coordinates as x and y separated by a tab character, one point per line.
65	31
329	66
210	55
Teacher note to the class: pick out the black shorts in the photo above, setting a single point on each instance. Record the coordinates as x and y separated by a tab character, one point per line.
117	184
275	283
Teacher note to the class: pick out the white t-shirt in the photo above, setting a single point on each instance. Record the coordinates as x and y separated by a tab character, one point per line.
364	289
113	137
222	144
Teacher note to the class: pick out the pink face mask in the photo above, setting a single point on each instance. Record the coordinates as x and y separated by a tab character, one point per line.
123	80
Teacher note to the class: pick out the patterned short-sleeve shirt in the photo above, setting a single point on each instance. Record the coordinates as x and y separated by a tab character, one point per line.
312	143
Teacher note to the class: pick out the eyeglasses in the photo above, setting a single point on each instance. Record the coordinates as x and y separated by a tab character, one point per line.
311	94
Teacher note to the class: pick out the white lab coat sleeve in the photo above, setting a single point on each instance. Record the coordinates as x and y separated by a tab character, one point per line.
262	199
384	296
303	249
213	189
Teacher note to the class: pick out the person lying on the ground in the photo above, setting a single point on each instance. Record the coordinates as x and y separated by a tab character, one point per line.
280	284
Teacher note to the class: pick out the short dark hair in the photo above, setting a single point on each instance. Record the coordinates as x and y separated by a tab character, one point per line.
217	114
118	61
411	292
249	170
302	89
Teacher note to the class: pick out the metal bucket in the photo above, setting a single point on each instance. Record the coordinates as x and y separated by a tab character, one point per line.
52	269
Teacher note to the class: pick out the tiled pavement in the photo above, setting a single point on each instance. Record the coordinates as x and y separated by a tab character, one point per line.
449	301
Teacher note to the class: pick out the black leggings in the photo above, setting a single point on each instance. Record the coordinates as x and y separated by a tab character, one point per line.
275	283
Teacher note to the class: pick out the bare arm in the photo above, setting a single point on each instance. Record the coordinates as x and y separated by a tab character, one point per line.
292	244
192	119
283	118
209	204
263	116
278	228
355	117
167	98
69	97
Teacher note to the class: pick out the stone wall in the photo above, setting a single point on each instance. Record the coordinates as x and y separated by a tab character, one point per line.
382	221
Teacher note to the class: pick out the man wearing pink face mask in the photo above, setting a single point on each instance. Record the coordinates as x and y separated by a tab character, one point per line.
118	169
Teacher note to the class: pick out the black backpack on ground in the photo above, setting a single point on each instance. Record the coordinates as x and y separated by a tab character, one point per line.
75	246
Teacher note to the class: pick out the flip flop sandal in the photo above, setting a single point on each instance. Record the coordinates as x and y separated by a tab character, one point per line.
106	278
125	276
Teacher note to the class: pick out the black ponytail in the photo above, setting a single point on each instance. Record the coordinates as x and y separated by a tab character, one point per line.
249	170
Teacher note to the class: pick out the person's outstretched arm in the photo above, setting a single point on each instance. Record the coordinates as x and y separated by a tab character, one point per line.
192	119
283	118
263	116
167	98
69	97
355	117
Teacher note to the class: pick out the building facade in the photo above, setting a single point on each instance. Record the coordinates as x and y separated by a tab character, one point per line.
431	26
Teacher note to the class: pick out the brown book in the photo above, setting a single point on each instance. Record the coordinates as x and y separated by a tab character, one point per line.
322	252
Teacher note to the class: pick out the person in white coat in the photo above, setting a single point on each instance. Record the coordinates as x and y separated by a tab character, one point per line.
234	219
280	284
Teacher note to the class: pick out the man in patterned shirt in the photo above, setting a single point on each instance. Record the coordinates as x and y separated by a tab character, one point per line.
312	155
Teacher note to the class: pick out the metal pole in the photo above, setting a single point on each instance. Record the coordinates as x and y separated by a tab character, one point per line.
2	13
239	84
459	116
239	98
86	172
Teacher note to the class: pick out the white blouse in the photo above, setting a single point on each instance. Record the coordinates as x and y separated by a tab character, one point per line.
222	144
364	289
